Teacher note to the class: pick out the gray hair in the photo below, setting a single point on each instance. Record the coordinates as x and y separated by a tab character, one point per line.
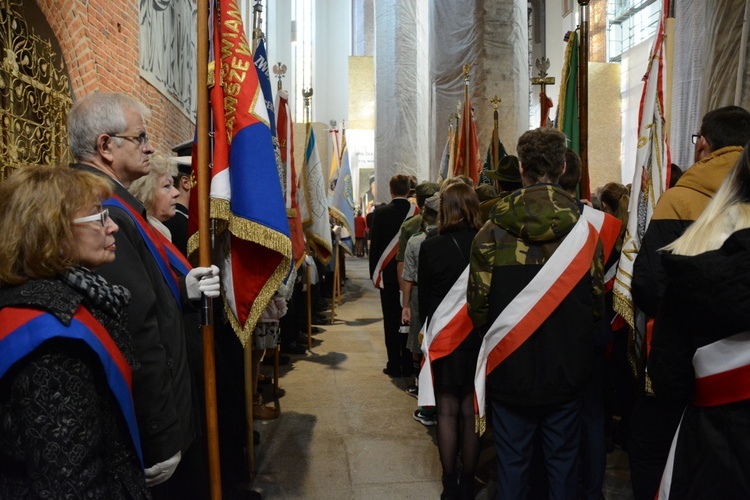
96	114
145	187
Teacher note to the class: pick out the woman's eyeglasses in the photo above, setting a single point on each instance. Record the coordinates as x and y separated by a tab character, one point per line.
695	138
102	217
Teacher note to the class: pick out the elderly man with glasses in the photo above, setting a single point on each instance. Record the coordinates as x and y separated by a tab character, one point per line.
718	146
108	137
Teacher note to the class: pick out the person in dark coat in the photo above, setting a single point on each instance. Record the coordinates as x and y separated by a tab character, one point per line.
701	338
178	225
386	222
67	423
108	138
718	146
537	387
442	260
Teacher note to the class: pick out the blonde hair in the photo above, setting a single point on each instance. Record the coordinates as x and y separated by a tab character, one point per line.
37	208
144	188
727	212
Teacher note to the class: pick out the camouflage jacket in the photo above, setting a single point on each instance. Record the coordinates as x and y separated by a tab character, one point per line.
525	227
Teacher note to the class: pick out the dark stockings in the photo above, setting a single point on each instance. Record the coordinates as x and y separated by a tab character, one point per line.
455	408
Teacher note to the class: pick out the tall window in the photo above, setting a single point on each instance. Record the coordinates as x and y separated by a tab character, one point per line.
303	21
630	23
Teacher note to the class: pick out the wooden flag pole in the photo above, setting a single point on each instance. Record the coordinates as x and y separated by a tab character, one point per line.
583	99
467	132
307	94
248	351
455	122
335	280
204	180
494	152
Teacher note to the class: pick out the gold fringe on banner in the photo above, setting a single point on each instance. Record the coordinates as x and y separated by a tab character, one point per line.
273	240
317	243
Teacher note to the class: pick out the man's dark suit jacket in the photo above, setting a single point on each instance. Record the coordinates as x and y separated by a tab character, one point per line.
386	223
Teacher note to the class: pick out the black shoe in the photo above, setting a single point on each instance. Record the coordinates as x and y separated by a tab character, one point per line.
293	348
321	320
283	360
316	329
391	374
302	340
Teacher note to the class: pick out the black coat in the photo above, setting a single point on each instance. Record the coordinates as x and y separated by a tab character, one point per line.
178	226
162	390
386	223
707	298
62	432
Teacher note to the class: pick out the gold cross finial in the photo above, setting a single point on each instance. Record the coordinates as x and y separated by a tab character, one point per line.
495	102
467	70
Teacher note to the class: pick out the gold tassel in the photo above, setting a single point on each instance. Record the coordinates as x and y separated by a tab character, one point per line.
480	424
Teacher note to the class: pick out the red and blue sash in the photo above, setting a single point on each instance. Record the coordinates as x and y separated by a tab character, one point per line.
22	330
166	255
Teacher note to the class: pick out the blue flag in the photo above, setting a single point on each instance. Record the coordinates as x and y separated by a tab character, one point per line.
260	59
342	205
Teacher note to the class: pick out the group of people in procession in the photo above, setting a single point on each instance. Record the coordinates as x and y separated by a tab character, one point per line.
500	297
494	298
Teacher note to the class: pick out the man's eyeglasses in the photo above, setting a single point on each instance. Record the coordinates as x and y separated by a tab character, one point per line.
102	217
141	138
695	138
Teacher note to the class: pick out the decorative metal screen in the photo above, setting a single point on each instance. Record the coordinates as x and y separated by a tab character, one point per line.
34	96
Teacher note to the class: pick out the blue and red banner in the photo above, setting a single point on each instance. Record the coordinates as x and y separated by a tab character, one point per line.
246	195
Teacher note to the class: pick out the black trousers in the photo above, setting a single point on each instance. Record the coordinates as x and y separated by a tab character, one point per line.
399	357
652	428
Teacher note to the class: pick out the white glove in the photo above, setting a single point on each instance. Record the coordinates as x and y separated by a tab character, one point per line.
162	471
203	280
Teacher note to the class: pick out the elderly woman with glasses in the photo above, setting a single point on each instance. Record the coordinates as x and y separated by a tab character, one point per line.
67	423
157	193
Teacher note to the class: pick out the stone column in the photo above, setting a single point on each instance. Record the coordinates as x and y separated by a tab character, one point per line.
401	86
492	36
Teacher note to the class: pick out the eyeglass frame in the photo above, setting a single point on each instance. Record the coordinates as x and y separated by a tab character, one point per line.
102	217
694	138
141	138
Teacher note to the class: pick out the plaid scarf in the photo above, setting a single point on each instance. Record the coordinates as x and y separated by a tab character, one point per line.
112	299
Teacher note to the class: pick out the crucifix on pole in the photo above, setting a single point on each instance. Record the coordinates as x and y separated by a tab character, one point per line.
543	80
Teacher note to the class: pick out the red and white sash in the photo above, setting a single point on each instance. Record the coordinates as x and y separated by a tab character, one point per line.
722	376
390	252
533	305
606	225
445	331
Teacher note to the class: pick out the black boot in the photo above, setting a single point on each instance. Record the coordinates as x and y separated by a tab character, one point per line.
450	487
466	487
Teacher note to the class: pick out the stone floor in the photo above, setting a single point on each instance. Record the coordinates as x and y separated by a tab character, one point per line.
346	430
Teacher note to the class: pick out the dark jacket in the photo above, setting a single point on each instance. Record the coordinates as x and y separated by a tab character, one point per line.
178	226
386	223
441	262
525	229
62	432
707	298
162	390
678	207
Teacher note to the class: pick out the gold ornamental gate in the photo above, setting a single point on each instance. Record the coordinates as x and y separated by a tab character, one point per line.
34	96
